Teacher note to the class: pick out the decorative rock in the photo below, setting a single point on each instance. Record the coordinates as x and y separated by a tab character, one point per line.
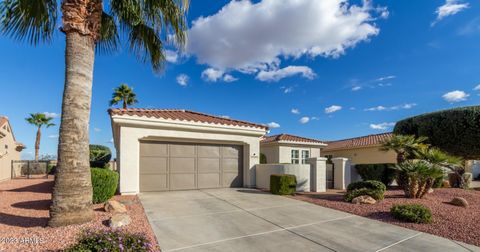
446	184
430	190
113	206
364	199
119	220
459	201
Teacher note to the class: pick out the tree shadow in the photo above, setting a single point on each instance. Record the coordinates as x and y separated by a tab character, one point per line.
252	191
45	187
34	204
23	221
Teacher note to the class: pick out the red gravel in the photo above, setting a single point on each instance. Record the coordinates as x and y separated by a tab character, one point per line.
449	221
24	205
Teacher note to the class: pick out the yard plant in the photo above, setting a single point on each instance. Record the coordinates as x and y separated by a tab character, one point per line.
283	184
88	27
112	241
379	172
105	184
416	213
372	188
125	95
419	177
39	120
100	155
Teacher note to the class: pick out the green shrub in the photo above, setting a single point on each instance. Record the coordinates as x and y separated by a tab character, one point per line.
376	194
99	156
369	184
51	169
113	241
105	183
455	131
412	213
438	183
263	158
283	184
378	172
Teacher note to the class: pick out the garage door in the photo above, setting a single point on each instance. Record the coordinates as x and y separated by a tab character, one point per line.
183	166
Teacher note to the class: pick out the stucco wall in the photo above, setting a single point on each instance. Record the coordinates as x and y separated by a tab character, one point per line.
281	153
301	172
271	153
371	155
7	153
129	148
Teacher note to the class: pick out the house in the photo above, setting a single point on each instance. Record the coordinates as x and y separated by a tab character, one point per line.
9	148
285	148
361	150
174	149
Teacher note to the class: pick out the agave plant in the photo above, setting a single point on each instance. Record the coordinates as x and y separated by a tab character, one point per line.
419	177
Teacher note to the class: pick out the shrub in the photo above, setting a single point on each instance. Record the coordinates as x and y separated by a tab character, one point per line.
51	169
455	131
283	184
99	156
412	213
372	188
263	158
114	241
438	183
419	177
379	172
105	183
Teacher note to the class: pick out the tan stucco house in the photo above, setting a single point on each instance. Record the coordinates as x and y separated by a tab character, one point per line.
361	150
163	149
285	148
9	149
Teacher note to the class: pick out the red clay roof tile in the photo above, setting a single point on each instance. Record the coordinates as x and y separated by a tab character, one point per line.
290	138
358	142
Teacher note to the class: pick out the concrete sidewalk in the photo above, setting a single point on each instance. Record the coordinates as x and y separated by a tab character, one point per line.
250	220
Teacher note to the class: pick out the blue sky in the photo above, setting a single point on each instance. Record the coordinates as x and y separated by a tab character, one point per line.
350	74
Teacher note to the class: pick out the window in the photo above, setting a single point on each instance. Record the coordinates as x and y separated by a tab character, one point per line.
305	156
295	156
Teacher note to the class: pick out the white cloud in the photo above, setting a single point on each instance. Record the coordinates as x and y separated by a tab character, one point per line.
295	111
97	129
53	136
377	108
356	88
273	125
455	96
229	78
287	90
51	114
171	56
332	109
396	107
477	88
304	120
225	116
278	74
388	77
250	37
451	7
182	80
382	126
214	75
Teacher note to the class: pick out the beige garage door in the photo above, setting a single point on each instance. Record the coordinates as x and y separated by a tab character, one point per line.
183	166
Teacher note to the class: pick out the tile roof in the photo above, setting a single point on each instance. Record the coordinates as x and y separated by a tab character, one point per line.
358	142
184	115
3	120
289	138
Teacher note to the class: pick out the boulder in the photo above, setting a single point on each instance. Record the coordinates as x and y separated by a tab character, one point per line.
119	220
430	190
446	184
113	206
459	201
364	199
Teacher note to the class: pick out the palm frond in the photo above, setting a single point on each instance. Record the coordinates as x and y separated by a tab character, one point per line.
109	40
146	45
31	20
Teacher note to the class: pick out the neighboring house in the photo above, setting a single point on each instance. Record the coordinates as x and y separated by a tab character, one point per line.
9	149
284	148
161	149
361	150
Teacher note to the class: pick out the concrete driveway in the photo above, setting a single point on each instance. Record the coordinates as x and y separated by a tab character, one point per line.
250	220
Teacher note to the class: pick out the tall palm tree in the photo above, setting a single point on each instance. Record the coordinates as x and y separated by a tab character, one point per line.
123	94
89	26
406	146
39	120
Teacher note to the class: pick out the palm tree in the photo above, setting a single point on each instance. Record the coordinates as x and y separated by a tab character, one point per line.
39	120
123	94
406	146
88	26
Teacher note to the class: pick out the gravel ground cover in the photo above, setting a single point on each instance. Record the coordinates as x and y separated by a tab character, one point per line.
449	221
24	205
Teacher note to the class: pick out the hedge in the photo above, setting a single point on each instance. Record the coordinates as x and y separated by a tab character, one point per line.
104	183
100	155
379	172
412	213
283	184
455	131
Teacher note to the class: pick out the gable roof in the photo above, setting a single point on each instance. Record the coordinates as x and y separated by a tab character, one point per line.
184	115
3	120
358	142
289	138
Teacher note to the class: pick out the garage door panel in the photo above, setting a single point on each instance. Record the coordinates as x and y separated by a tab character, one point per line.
182	165
231	151
232	179
208	151
153	165
230	165
153	182
208	180
182	181
182	150
153	149
208	165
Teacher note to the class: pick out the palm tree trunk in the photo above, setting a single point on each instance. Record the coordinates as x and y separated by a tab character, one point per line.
72	193
124	103
37	143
